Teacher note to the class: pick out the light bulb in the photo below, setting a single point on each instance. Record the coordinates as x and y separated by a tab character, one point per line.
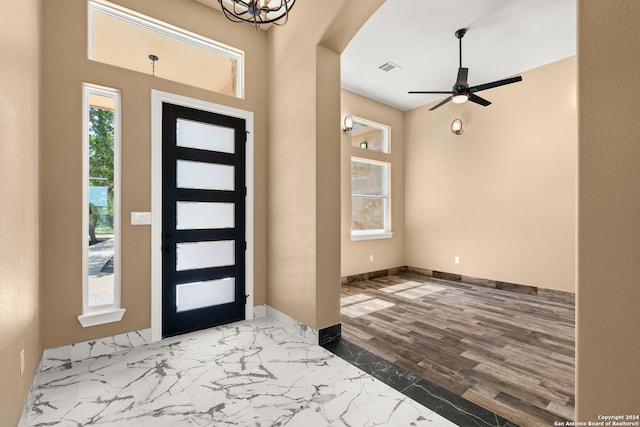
456	126
460	98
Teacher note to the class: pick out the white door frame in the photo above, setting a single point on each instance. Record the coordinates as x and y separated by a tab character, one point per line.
157	98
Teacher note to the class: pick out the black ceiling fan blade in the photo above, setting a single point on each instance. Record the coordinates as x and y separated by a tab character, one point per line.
444	101
463	73
436	92
495	84
478	100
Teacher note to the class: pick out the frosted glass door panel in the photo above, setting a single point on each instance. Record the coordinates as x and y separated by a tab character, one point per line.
204	215
194	255
205	176
204	136
191	296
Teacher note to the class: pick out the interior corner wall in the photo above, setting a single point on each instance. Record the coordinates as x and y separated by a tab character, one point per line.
19	192
304	150
608	297
503	195
387	253
65	69
327	181
292	206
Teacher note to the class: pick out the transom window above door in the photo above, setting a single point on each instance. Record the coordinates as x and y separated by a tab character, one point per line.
128	39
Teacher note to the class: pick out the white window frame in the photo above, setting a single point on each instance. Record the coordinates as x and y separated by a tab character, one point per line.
386	144
169	30
98	315
381	233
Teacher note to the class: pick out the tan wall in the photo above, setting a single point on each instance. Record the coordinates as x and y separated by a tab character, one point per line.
501	196
608	247
304	159
608	345
19	214
327	181
387	253
292	250
65	68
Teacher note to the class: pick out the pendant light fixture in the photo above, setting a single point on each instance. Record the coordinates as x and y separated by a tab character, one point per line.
257	12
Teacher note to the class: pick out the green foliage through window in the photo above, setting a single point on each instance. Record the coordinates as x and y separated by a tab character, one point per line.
101	170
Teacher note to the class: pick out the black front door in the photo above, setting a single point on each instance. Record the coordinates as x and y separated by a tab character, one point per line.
203	219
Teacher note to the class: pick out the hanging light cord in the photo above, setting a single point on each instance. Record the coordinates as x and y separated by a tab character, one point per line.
153	59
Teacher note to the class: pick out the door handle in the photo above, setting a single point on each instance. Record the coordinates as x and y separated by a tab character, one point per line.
166	247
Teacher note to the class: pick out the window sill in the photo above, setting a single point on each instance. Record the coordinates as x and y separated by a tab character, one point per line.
101	317
371	236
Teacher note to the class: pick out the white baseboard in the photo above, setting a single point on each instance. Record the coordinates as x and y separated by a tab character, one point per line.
309	334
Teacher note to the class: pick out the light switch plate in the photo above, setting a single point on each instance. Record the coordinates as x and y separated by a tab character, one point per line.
140	218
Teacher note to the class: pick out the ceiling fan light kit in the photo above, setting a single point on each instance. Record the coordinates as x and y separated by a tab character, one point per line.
460	98
461	91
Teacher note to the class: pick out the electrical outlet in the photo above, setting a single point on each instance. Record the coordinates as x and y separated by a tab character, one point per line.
371	258
456	259
22	362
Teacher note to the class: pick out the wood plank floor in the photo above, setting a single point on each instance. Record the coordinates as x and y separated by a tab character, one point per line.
511	353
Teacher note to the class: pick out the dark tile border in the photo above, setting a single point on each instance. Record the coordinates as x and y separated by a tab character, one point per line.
372	275
450	406
446	276
548	294
332	333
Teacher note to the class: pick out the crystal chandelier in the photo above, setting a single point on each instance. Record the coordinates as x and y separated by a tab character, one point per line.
257	12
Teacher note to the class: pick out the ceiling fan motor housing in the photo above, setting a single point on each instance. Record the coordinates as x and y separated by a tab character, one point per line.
461	91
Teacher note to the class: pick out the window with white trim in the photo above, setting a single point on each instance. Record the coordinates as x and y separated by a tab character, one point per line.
101	206
128	39
370	181
369	198
370	135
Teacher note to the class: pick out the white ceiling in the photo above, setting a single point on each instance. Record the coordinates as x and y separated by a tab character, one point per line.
504	37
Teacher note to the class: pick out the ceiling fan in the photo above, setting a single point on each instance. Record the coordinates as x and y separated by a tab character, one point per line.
461	92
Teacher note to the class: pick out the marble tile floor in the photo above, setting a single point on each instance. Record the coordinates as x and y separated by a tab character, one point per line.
251	373
451	406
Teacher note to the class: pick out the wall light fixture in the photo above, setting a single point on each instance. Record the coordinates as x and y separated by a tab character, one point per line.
456	126
347	124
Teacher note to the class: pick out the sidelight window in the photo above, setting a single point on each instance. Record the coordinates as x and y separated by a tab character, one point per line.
101	206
